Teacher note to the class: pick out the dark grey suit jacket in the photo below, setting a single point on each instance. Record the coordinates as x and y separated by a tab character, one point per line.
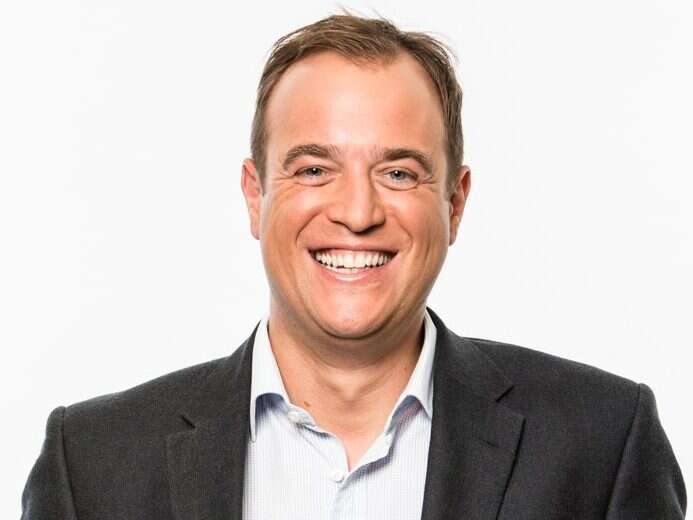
516	435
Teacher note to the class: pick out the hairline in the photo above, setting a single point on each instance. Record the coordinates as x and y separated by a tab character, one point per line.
365	61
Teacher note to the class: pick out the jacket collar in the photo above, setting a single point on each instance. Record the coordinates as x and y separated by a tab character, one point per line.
206	462
474	438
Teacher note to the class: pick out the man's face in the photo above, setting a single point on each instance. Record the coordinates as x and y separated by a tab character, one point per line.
354	218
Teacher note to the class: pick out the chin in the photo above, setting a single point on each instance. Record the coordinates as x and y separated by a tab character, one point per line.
346	324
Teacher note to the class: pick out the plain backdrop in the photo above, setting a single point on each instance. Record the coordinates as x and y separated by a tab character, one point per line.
124	244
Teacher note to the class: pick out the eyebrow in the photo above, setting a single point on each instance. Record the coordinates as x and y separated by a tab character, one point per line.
312	149
394	154
331	152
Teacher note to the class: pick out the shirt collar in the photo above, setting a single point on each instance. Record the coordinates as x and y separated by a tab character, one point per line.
266	378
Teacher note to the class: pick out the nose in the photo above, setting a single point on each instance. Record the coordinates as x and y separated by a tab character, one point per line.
356	203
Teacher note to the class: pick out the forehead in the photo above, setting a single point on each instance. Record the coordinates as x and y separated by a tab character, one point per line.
327	98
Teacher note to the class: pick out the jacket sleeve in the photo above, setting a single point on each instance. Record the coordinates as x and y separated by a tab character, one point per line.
47	494
648	483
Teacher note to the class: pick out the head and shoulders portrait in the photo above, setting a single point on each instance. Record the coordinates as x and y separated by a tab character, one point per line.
349	394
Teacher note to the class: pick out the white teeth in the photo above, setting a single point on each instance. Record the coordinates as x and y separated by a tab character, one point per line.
352	259
360	260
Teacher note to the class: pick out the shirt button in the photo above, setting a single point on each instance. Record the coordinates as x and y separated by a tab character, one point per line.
294	416
337	475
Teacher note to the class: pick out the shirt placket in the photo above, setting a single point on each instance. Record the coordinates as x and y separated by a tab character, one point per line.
332	453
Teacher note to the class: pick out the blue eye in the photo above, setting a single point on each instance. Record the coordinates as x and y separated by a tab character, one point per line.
400	175
313	176
312	171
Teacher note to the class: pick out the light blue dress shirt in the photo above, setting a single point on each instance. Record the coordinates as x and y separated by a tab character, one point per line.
296	470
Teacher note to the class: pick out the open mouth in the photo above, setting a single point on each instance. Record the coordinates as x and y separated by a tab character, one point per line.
343	261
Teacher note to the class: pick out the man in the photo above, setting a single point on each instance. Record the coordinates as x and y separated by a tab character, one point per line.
352	399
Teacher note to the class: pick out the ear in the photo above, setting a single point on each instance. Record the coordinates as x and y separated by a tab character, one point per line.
458	198
252	191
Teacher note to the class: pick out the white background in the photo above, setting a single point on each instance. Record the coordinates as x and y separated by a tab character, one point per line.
124	244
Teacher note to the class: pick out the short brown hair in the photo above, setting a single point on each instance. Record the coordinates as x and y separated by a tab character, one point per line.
369	39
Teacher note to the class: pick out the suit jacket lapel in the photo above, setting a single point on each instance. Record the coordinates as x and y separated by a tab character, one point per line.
473	438
207	460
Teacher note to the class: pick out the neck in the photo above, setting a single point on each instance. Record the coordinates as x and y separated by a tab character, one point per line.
349	386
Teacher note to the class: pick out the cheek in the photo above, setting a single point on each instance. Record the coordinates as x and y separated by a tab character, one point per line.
424	217
285	214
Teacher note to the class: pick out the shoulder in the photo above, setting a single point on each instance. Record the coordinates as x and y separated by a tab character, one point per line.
527	365
152	405
551	385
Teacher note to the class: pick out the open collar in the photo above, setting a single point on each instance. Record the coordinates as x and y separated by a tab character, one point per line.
266	377
474	437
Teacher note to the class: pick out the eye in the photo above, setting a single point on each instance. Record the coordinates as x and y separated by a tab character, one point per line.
400	175
399	179
312	171
312	176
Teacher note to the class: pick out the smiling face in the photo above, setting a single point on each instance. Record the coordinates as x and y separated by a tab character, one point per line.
355	217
